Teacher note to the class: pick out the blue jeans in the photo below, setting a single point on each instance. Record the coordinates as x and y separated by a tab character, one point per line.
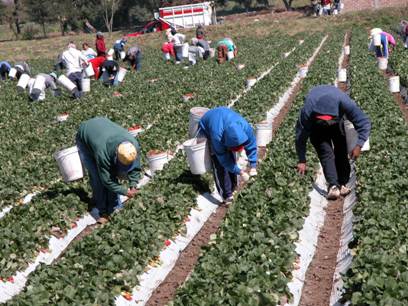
105	201
105	79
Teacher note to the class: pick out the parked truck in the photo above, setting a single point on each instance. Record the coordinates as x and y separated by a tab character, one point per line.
181	16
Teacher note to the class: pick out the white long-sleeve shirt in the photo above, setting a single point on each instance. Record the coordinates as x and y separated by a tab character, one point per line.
89	53
73	59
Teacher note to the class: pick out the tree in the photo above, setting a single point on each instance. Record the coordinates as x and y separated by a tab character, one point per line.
40	12
109	9
288	4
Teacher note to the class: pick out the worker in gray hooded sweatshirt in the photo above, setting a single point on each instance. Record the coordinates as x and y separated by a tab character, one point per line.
322	120
49	83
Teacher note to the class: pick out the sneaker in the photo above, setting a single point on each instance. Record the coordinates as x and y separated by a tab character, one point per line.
228	200
103	220
333	193
344	190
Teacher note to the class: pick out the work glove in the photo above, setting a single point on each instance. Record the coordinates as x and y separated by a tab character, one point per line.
253	172
244	176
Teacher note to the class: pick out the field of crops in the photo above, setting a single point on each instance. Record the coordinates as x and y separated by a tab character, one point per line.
250	259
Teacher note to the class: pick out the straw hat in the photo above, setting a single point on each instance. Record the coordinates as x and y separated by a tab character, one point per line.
126	153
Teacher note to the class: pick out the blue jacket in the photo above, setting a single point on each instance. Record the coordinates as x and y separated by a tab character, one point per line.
329	100
7	64
119	45
226	129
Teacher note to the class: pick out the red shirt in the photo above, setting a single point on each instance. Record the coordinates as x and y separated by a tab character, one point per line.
100	46
326	2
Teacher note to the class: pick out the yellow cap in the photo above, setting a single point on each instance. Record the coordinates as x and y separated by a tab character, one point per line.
126	153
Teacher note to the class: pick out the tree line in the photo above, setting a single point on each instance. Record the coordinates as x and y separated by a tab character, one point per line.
89	15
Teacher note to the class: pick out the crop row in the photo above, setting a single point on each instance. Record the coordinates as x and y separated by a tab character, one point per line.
147	98
251	259
124	246
22	239
379	273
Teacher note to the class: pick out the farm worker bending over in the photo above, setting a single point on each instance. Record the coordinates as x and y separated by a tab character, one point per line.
74	60
386	40
96	65
119	46
88	52
228	132
109	153
321	120
4	69
204	45
195	52
168	51
22	67
226	50
39	94
109	70
100	44
134	57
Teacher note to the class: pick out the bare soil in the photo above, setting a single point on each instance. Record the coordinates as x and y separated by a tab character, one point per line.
319	276
189	257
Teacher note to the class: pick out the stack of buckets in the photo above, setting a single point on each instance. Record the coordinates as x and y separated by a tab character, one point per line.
197	149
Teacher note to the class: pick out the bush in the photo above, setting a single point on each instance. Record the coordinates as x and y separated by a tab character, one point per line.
30	31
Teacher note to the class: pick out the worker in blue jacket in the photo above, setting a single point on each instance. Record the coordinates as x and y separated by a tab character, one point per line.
227	133
119	46
4	69
322	120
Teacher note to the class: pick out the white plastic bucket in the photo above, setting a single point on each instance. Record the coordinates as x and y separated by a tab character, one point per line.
109	58
121	74
69	164
23	81
166	56
341	5
12	73
250	82
377	39
342	75
303	72
184	50
230	55
263	133
347	50
198	155
157	161
39	83
335	12
196	113
67	83
382	63
111	52
122	55
89	71
394	84
212	52
352	137
86	85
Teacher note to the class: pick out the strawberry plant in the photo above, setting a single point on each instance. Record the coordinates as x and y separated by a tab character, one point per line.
379	274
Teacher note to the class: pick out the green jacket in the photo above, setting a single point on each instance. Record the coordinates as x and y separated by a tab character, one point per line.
102	137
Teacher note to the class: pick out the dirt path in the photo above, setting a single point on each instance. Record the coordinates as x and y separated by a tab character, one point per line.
319	276
189	257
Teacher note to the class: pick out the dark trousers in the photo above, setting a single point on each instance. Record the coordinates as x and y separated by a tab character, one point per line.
76	78
136	62
225	181
331	147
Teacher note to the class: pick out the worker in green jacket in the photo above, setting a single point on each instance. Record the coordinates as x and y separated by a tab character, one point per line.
109	153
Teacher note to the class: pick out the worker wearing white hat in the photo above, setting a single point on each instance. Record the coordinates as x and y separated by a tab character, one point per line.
109	153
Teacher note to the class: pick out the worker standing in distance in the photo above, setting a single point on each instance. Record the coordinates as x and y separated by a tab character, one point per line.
227	133
109	153
100	44
322	120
